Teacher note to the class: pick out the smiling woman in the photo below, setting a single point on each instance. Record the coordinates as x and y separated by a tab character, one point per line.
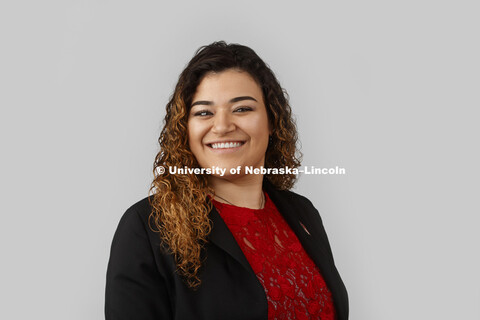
233	243
228	124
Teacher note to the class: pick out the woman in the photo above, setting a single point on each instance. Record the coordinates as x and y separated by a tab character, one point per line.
227	242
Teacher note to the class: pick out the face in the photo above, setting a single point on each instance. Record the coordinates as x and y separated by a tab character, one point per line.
228	124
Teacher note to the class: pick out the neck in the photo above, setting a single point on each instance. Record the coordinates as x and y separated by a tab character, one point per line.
246	192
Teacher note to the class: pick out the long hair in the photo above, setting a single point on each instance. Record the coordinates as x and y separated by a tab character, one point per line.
180	210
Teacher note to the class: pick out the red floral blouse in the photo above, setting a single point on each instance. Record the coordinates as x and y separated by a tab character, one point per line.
294	287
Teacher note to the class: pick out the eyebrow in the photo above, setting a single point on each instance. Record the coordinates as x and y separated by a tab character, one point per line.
209	103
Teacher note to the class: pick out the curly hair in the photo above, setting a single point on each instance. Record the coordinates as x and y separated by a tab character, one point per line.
180	206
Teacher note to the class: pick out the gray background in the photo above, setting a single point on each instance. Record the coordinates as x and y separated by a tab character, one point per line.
386	89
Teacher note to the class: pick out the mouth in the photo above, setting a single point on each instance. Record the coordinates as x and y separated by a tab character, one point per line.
226	145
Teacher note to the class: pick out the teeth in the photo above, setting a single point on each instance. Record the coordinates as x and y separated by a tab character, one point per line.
225	145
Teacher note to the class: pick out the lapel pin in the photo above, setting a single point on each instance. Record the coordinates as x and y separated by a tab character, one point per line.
304	228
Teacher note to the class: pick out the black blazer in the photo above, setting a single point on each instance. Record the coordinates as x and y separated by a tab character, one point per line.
142	283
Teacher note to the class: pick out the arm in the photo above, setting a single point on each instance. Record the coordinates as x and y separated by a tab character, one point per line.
135	290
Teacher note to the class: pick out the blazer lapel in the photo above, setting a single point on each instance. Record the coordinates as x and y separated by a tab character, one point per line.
223	238
315	244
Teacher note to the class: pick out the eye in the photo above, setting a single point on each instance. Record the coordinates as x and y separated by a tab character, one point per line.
202	113
243	109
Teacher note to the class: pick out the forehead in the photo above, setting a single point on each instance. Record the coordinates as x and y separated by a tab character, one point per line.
223	85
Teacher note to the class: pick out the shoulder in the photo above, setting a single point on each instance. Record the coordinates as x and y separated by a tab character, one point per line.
135	238
137	213
141	207
300	206
133	224
296	198
290	198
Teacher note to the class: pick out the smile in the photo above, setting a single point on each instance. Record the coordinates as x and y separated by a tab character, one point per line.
226	145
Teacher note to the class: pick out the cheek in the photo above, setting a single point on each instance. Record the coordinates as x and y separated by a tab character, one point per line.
259	128
195	134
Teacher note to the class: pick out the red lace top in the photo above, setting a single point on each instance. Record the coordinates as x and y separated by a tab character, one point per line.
294	287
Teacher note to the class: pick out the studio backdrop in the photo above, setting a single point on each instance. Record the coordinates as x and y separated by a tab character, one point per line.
386	90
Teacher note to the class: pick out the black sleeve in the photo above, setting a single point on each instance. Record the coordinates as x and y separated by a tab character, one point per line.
135	289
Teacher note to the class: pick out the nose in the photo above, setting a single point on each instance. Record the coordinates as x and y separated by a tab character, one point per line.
222	123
